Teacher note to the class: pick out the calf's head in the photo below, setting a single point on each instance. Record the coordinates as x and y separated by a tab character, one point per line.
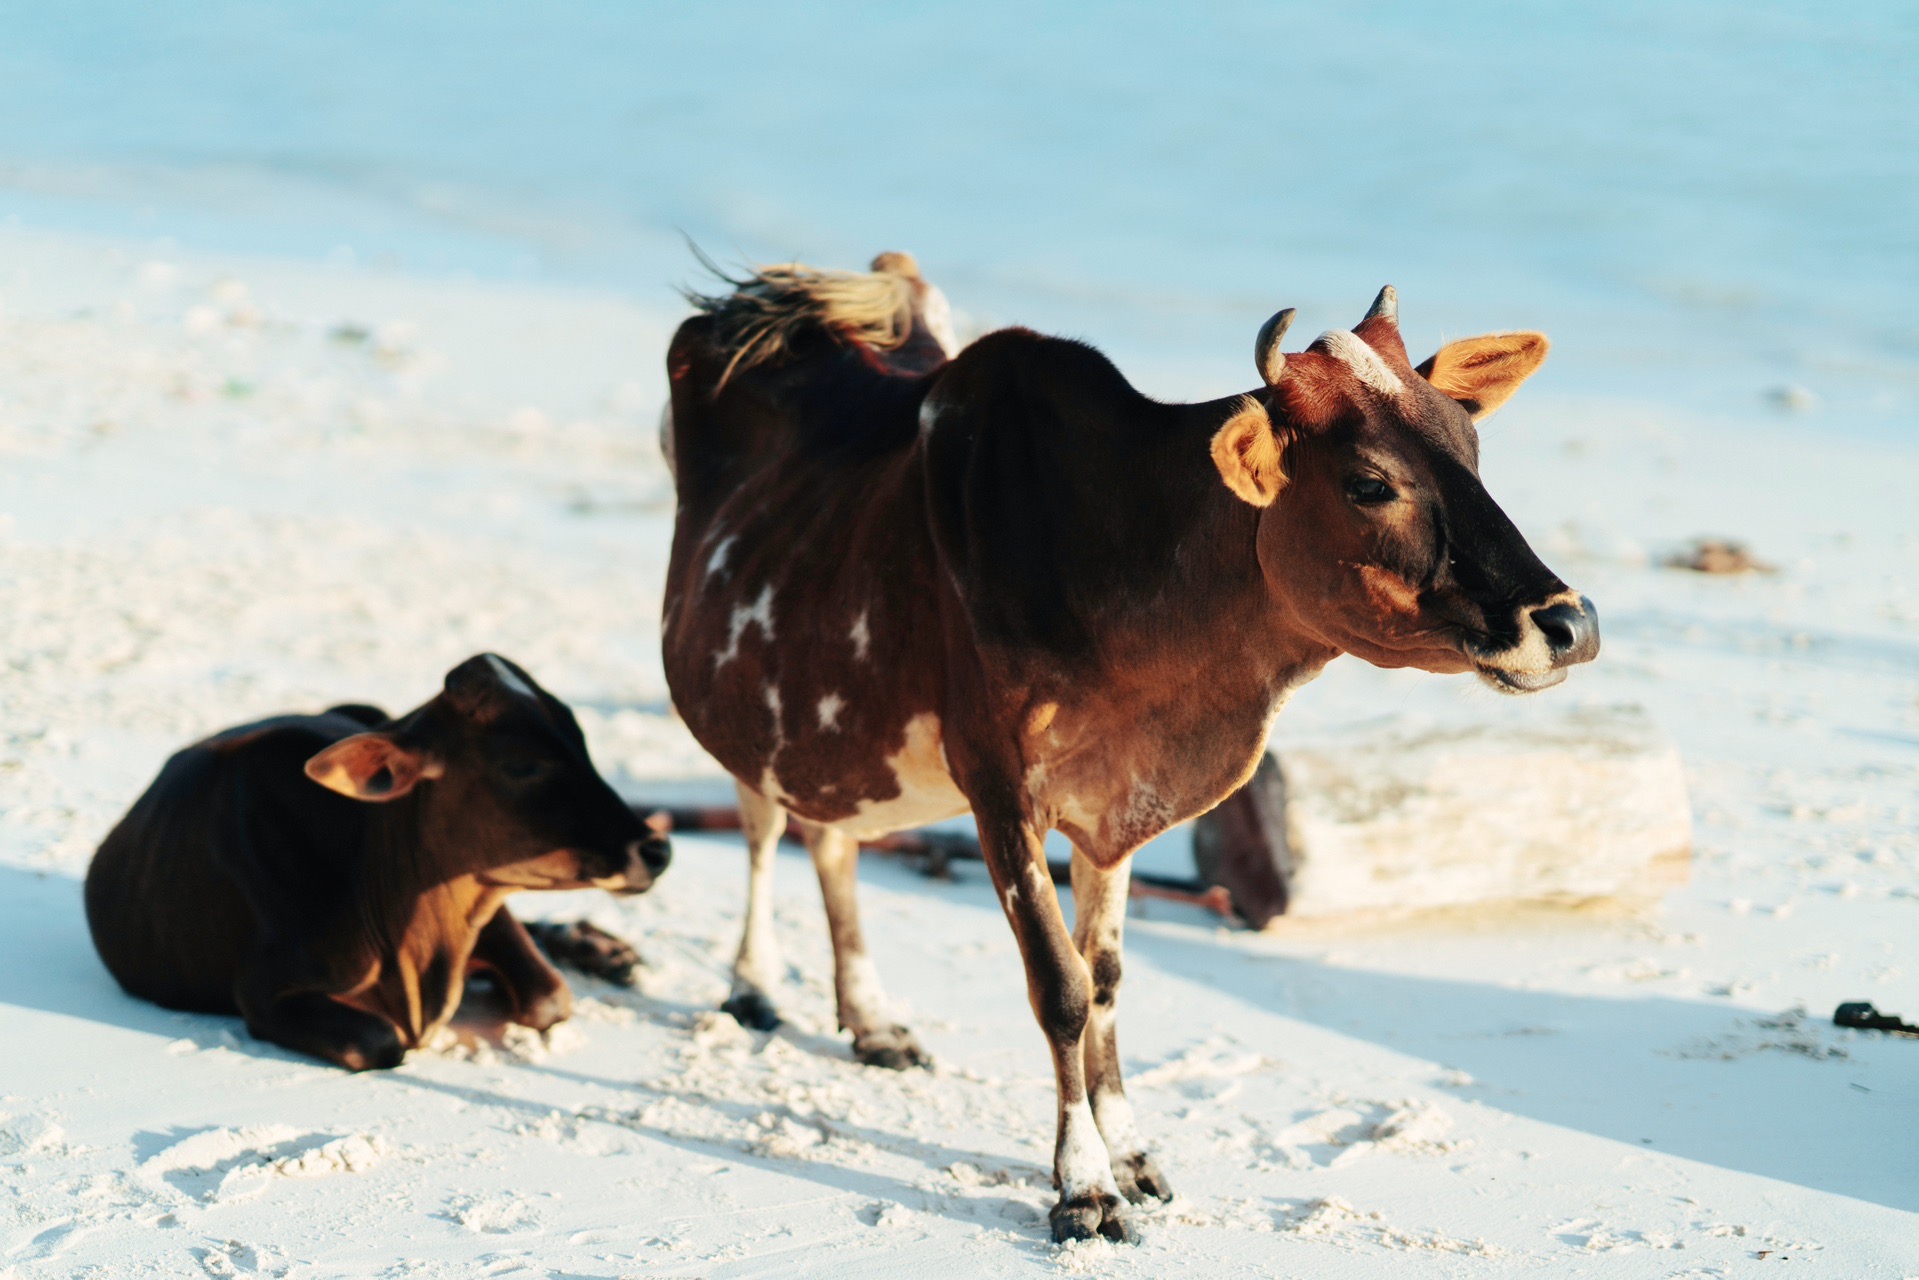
1376	534
505	787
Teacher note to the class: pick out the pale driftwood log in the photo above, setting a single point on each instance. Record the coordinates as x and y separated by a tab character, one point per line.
1586	804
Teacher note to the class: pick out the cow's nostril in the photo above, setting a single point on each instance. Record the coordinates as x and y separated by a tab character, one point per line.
1571	631
655	852
1557	626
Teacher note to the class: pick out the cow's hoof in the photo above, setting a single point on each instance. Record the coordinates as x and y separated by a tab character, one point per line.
588	949
374	1052
1091	1216
546	1010
1140	1179
752	1010
894	1048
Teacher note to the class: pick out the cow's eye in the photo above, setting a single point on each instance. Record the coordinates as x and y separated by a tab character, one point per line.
1369	491
521	768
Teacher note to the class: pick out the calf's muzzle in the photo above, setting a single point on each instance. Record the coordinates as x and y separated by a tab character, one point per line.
646	858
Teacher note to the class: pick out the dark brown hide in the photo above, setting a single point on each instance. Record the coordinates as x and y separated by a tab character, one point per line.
1011	583
333	877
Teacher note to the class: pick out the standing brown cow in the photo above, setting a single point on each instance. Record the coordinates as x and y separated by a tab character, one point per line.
906	583
333	878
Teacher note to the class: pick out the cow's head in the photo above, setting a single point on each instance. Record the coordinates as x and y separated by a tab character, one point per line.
1377	536
507	789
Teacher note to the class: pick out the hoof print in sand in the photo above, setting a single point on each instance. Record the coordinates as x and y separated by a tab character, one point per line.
216	1166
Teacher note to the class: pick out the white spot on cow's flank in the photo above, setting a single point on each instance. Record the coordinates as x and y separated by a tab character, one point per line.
772	696
744	616
716	563
509	677
1351	350
861	637
830	707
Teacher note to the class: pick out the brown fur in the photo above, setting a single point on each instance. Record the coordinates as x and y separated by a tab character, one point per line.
334	878
1026	590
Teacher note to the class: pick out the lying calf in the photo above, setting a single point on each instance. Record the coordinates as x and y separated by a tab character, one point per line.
334	878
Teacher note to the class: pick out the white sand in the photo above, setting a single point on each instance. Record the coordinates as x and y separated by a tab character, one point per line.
211	509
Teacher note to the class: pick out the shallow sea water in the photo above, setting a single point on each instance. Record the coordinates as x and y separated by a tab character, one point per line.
1712	206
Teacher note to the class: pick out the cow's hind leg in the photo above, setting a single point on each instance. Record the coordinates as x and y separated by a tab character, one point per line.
878	1041
1059	987
539	994
1099	920
756	969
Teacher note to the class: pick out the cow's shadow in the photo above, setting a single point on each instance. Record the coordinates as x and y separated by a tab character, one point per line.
1703	1081
47	962
1782	1095
50	965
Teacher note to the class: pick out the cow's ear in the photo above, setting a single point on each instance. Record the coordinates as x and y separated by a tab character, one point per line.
1248	453
372	766
1483	373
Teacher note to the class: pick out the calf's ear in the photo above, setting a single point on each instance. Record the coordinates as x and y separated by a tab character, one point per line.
1248	451
372	766
1482	373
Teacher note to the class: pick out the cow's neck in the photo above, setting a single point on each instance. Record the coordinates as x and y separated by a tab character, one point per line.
1172	711
1199	602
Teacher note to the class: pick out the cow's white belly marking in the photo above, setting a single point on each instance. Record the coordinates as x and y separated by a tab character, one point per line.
927	792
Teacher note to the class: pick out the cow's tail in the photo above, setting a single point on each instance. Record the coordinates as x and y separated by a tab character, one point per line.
757	320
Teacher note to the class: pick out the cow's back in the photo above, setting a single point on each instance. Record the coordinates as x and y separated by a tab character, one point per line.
229	836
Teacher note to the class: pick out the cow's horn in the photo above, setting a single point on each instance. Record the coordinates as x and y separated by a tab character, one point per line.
1385	306
1267	357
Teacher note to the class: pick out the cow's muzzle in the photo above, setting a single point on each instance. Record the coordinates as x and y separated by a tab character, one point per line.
1554	636
646	858
1571	629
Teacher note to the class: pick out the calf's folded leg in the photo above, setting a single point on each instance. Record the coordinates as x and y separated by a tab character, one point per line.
319	1025
539	994
586	948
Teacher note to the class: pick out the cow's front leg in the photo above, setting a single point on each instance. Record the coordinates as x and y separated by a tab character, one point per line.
316	1023
1058	986
586	948
878	1040
756	969
539	994
1099	922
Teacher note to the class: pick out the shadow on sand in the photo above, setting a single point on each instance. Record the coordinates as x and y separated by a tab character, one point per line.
1686	1078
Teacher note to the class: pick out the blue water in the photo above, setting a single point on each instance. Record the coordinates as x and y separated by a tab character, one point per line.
1700	201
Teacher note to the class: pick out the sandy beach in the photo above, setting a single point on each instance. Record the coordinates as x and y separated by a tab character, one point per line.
234	485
